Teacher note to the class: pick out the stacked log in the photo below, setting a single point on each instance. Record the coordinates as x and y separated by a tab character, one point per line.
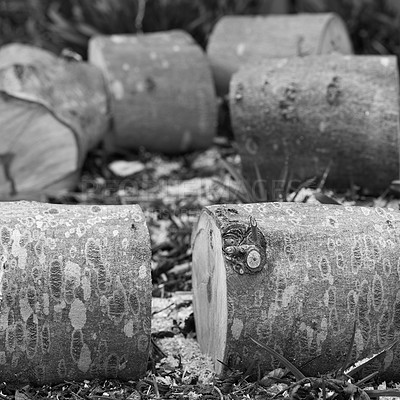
330	115
161	91
75	292
297	277
240	40
52	112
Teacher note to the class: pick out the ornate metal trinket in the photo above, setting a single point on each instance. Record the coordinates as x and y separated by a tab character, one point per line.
244	247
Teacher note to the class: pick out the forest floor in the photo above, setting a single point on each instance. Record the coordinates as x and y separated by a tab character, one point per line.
171	192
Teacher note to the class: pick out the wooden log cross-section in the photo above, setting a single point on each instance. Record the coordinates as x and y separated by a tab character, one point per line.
330	115
52	112
297	277
161	91
75	292
239	40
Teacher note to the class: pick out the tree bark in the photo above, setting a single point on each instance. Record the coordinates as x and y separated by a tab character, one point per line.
315	115
296	277
240	40
161	90
75	292
53	111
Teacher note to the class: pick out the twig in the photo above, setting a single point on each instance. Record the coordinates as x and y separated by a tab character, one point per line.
297	374
383	393
366	378
163	309
325	175
347	362
221	396
155	385
141	10
253	224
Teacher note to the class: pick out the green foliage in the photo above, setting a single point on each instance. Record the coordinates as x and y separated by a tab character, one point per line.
13	17
374	25
70	23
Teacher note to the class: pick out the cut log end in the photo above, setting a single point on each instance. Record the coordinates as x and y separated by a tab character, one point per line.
209	286
335	38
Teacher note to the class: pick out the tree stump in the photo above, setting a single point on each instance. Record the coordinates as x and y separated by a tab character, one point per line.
52	112
335	115
161	91
296	277
76	292
239	40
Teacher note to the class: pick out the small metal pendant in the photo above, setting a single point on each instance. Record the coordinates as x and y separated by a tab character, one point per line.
244	247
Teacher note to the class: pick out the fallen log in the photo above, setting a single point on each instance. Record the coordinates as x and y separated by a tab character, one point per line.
161	91
308	117
75	292
296	277
239	40
52	112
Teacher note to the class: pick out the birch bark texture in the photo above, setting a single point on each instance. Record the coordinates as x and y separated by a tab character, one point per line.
322	115
75	292
239	40
52	112
162	94
296	277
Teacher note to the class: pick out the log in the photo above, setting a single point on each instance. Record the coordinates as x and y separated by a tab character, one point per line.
75	292
330	114
240	40
18	53
161	91
296	277
52	112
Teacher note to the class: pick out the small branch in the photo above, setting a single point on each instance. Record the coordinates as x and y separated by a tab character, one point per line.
6	160
297	374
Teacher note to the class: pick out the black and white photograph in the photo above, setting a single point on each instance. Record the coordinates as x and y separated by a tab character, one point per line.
199	200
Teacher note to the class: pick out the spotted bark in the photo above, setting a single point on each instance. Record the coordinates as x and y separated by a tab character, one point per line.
75	292
161	91
330	117
320	269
